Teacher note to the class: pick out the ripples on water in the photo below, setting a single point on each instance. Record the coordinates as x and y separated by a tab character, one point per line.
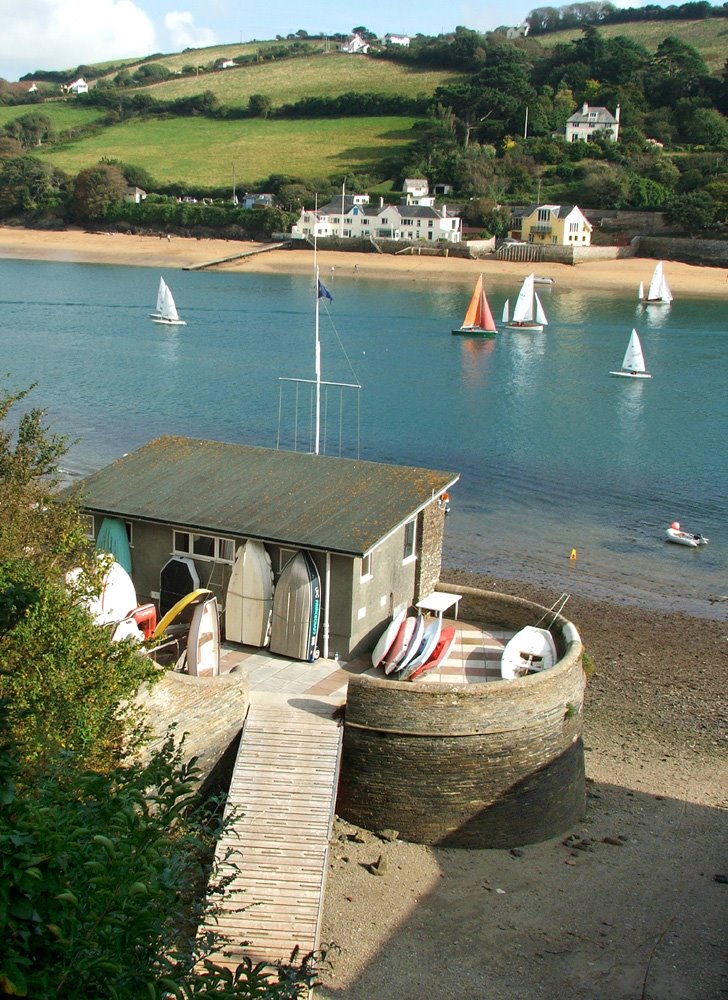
553	454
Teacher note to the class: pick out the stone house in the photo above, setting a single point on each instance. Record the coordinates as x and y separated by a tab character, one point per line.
374	531
555	225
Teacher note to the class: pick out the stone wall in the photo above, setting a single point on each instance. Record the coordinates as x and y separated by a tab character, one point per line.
488	765
431	525
707	253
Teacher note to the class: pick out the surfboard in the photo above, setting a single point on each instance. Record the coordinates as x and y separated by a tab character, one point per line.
439	654
178	577
249	598
296	609
203	642
175	612
387	638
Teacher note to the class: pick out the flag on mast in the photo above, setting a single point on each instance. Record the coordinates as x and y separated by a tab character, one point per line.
323	292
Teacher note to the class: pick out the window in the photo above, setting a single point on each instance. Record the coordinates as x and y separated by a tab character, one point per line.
543	214
210	548
366	567
409	540
88	526
365	222
284	556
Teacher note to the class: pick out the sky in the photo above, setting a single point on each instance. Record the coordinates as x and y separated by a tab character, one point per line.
62	34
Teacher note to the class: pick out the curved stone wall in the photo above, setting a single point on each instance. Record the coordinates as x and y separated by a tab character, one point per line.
487	765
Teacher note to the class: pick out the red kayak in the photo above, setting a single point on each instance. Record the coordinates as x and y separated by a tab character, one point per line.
440	653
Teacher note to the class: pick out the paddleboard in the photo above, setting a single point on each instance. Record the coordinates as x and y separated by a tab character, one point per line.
439	654
249	599
400	645
430	639
529	651
203	642
176	611
387	638
296	609
178	577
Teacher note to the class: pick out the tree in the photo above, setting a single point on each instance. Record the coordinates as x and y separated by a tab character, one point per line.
31	129
29	187
694	212
259	106
96	189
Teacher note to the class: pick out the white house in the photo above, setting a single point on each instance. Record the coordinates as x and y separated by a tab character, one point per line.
397	40
78	86
33	89
518	32
354	218
585	123
355	45
228	64
136	195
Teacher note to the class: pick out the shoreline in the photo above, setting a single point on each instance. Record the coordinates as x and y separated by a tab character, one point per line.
80	247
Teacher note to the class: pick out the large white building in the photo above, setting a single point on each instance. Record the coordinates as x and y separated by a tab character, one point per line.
585	123
352	217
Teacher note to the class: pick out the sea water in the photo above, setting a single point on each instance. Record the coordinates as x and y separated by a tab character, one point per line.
568	476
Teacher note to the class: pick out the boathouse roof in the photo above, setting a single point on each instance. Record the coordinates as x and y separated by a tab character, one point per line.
319	502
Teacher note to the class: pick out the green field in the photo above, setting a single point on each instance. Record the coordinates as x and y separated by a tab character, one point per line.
289	80
176	61
63	114
709	37
203	152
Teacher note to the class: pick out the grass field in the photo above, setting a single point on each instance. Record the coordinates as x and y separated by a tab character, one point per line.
288	80
175	61
709	37
63	114
202	152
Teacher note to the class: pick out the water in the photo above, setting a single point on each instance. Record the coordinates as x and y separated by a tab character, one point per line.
553	454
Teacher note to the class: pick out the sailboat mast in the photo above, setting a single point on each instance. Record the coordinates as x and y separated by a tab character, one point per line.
317	434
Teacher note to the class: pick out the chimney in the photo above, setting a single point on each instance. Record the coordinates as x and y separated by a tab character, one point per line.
585	109
616	114
381	202
444	211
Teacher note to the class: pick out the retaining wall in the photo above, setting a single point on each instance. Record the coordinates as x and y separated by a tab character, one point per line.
489	765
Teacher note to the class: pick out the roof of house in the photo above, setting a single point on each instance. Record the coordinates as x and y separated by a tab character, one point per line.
602	115
290	498
372	211
560	211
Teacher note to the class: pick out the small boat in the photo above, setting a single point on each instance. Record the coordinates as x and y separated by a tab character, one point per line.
398	649
478	320
249	598
413	646
679	537
528	313
529	651
297	610
439	654
430	639
168	314
203	642
160	300
658	294
541	279
532	649
386	639
633	364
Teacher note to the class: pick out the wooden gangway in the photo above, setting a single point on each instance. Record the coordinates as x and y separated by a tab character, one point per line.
283	792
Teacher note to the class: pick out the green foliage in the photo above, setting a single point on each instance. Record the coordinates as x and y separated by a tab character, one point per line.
99	877
29	187
30	129
96	189
259	106
694	212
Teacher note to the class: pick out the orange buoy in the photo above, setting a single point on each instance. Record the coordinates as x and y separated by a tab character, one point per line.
572	557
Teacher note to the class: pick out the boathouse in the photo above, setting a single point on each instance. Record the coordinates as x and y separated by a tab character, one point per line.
374	531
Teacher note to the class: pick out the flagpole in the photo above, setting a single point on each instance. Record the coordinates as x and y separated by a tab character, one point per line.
318	370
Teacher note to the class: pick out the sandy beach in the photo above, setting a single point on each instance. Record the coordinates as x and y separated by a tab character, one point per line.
634	905
76	245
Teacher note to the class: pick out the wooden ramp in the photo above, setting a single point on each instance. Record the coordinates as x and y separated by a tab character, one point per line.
284	791
236	256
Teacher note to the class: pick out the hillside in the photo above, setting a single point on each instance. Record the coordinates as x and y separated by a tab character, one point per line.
709	37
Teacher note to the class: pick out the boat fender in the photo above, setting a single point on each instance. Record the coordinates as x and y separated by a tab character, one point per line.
443	502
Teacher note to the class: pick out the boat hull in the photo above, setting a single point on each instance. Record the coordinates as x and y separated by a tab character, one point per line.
631	374
249	600
529	651
473	331
685	538
528	327
169	322
296	610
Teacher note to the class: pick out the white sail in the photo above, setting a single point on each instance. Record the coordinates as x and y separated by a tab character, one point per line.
506	311
169	309
641	292
659	290
665	293
523	309
634	359
540	314
160	300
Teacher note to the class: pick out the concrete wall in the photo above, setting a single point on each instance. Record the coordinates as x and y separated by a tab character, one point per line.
487	765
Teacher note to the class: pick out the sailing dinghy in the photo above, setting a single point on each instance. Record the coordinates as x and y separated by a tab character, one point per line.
528	313
168	314
160	300
478	320
658	294
633	364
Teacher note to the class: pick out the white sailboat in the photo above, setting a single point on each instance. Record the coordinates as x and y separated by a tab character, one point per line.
528	313
160	300
633	365
168	314
658	294
506	311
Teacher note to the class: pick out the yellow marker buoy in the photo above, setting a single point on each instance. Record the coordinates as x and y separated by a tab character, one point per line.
572	557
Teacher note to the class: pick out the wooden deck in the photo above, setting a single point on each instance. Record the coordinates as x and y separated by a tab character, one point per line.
284	792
